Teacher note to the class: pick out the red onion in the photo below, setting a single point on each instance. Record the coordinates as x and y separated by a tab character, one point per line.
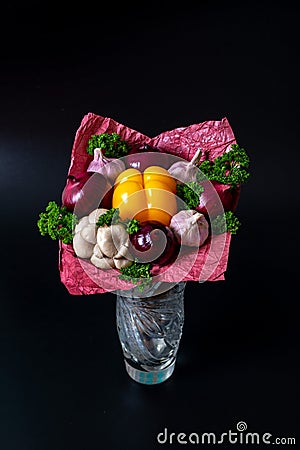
147	156
217	197
154	243
109	167
73	190
86	192
229	195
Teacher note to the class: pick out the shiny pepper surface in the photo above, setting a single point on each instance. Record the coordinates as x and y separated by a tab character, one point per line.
148	196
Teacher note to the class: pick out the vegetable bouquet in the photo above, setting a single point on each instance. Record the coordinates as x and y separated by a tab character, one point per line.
136	209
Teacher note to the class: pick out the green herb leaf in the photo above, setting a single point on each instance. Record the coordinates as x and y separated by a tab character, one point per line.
111	217
225	222
190	193
229	168
111	144
137	273
133	226
57	222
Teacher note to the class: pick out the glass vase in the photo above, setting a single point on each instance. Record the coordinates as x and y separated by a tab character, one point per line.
150	329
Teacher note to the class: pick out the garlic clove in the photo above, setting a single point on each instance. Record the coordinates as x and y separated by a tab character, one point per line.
113	241
105	241
123	251
89	233
81	224
120	236
102	263
120	263
114	168
97	252
82	248
108	167
184	170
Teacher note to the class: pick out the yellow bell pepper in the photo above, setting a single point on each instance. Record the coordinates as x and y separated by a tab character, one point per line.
148	196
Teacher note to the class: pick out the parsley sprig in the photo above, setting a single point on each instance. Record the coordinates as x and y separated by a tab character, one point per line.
111	144
229	168
137	273
225	222
133	226
57	222
112	217
189	192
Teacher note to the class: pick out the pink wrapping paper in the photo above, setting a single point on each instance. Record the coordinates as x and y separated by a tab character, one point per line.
207	263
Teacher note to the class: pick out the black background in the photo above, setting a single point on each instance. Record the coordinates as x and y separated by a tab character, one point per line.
63	384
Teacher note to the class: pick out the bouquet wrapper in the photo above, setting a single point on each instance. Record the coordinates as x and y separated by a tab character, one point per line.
206	263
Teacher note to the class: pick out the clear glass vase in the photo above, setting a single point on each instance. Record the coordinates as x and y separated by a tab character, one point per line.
150	329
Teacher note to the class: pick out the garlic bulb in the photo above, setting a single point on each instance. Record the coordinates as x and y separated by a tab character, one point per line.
109	167
105	242
103	263
185	171
190	228
89	233
113	241
82	248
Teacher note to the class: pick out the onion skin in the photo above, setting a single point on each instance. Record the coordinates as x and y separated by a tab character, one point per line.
150	241
86	192
147	156
170	251
211	205
229	196
72	191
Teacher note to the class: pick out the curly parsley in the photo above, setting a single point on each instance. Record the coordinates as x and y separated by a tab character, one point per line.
57	222
111	217
111	144
229	168
225	222
133	226
189	192
137	273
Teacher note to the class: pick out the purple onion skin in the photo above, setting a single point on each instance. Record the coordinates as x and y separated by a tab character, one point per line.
141	240
150	241
212	205
72	191
86	192
145	156
170	251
